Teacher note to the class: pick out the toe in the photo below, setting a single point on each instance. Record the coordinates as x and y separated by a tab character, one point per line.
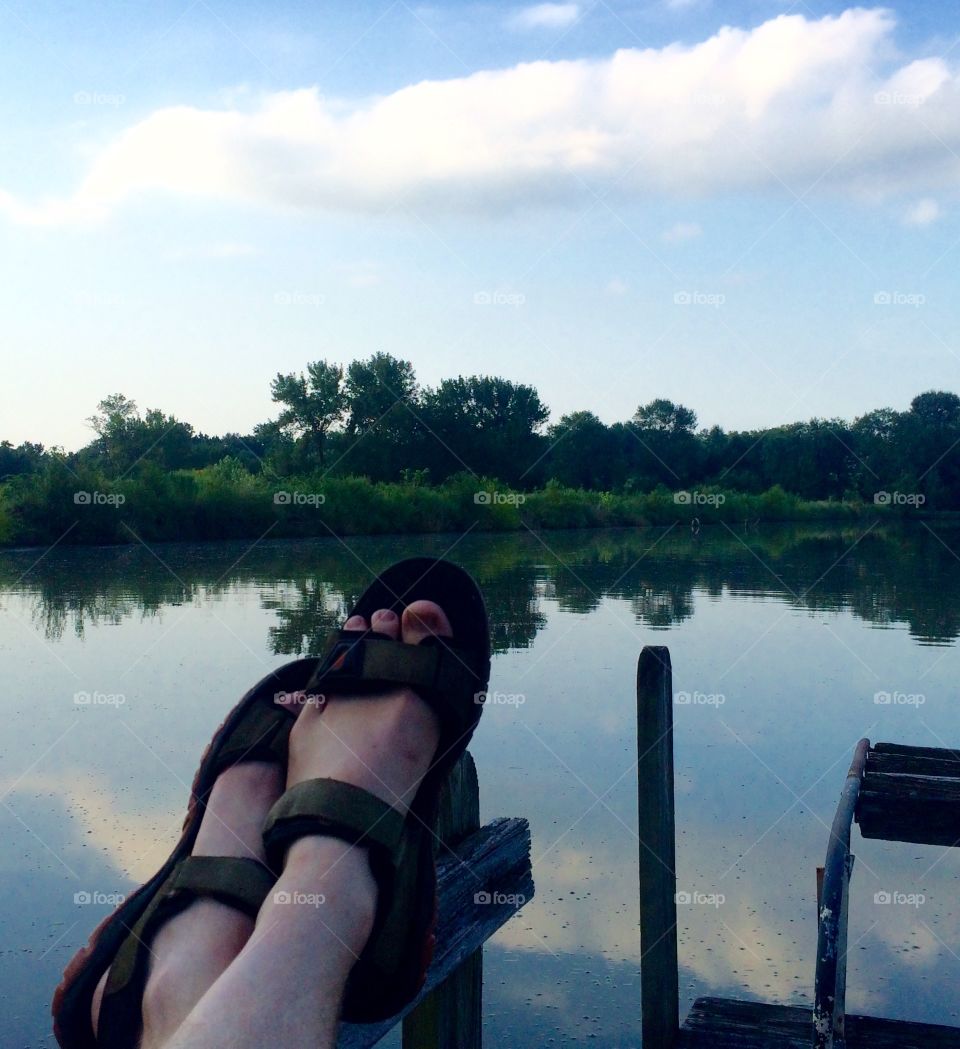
423	618
386	622
355	623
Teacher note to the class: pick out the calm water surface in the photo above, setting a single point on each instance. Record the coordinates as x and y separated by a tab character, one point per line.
782	637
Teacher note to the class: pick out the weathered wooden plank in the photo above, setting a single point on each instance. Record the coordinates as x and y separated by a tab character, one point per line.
911	794
451	1017
899	765
906	750
659	989
724	1023
481	885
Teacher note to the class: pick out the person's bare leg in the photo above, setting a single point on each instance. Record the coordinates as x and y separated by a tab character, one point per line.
191	950
286	985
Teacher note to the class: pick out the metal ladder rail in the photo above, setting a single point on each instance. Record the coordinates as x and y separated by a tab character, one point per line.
830	982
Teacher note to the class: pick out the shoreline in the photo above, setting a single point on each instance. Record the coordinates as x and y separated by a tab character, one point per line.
181	508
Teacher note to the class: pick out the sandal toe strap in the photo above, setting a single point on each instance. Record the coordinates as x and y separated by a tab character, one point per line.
451	678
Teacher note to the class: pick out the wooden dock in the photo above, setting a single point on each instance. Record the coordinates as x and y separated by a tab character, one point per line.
911	794
724	1023
893	792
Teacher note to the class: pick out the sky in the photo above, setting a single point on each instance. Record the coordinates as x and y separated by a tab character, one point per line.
748	207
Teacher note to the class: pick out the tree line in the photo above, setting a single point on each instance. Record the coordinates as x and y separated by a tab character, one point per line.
373	419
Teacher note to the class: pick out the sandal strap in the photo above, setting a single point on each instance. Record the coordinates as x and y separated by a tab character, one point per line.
332	807
450	677
260	735
342	810
239	882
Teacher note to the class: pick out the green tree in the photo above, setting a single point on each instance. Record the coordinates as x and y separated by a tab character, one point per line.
936	408
663	416
380	392
662	448
581	452
24	459
487	424
313	403
113	423
382	431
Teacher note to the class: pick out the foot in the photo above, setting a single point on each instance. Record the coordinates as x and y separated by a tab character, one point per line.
191	950
385	745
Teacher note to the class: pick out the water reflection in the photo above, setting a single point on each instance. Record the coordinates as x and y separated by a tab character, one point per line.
779	621
881	574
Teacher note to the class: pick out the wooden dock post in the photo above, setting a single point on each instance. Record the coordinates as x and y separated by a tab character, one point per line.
659	975
450	1016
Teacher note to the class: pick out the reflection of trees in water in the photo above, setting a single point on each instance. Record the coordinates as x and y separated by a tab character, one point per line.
885	577
306	617
513	599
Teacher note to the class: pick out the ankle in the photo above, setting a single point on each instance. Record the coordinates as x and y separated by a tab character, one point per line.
324	876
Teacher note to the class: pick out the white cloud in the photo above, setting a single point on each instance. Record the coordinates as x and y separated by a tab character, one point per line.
681	231
922	212
545	16
791	102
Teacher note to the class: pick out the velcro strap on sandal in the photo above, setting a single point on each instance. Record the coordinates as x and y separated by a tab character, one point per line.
332	807
261	735
239	882
442	674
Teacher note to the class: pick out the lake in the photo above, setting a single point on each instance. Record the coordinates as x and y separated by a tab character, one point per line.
786	640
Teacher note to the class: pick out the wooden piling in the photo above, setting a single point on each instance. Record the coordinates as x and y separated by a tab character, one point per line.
450	1016
659	977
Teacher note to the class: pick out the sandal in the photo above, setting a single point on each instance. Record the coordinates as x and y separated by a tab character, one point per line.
450	674
256	729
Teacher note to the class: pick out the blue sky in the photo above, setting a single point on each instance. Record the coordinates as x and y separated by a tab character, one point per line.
750	208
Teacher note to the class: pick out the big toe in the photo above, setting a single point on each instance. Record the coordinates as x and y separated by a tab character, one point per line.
424	619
